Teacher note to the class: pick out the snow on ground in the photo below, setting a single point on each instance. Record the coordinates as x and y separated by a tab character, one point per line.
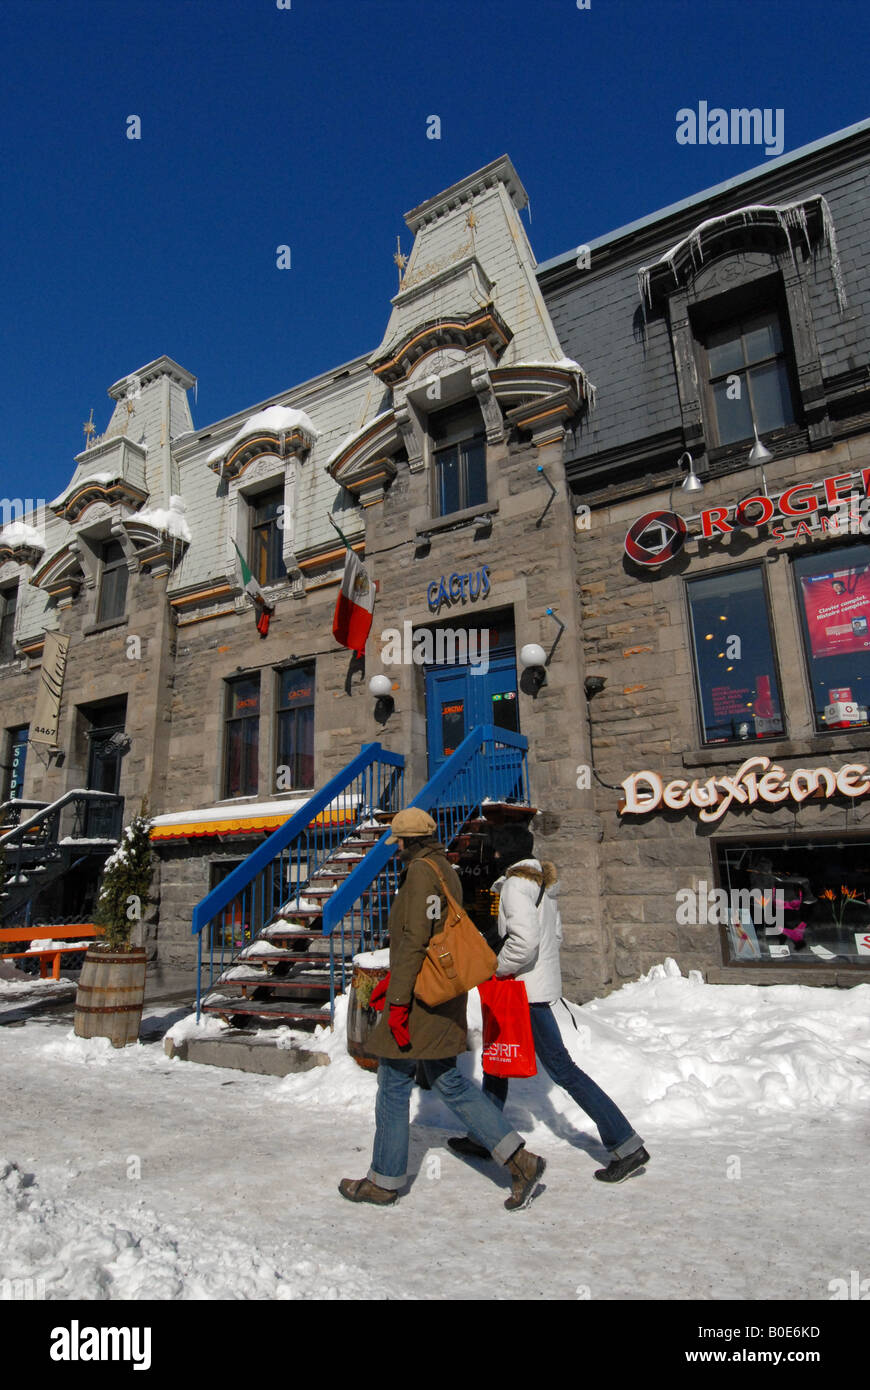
127	1175
19	987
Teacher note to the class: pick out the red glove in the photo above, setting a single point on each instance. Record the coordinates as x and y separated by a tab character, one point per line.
399	1015
379	994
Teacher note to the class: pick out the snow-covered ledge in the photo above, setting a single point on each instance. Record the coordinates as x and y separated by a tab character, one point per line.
808	221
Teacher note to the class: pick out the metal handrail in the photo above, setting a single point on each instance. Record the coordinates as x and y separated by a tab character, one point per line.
54	807
447	775
222	894
284	864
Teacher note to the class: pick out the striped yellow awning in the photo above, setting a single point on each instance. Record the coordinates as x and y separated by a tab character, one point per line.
200	826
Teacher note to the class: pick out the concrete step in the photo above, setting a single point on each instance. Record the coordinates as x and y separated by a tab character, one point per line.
246	1052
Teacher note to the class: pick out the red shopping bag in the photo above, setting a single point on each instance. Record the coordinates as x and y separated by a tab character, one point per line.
508	1045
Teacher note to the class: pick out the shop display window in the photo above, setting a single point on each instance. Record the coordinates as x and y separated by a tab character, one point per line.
737	684
810	904
833	589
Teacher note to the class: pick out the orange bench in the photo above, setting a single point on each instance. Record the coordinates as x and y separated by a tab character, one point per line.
72	931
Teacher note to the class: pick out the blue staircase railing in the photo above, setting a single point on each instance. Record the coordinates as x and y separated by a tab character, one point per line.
276	873
490	764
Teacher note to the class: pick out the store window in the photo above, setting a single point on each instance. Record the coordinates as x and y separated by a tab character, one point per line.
738	689
242	744
459	458
267	562
834	601
296	728
112	602
804	902
8	603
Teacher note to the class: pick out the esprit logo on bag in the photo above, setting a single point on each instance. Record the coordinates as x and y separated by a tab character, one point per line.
501	1052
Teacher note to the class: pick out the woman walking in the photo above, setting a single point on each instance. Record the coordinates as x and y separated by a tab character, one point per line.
530	931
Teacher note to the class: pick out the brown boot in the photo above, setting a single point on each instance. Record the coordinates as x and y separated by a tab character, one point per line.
362	1190
525	1168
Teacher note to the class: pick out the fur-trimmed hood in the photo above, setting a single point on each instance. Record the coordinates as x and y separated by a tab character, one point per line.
539	872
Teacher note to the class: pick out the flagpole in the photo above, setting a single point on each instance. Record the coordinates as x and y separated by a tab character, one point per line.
341	533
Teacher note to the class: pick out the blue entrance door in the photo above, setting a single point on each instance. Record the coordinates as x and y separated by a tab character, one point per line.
458	701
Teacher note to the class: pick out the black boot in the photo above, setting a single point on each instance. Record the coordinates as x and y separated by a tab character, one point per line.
621	1168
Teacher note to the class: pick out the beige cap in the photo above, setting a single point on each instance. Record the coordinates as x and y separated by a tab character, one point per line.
412	821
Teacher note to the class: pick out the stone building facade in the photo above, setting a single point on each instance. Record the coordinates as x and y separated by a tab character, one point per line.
743	310
453	459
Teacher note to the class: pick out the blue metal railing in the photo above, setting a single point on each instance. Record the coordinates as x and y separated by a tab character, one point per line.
275	875
490	764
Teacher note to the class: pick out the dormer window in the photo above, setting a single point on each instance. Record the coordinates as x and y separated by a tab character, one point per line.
8	604
459	458
266	558
112	602
747	376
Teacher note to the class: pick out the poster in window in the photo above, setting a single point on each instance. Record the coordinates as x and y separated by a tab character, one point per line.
744	942
837	608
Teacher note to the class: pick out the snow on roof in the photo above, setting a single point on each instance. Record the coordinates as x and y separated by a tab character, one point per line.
357	434
243	808
275	419
19	533
170	519
789	216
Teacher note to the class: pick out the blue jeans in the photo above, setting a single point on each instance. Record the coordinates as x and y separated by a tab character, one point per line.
395	1081
616	1133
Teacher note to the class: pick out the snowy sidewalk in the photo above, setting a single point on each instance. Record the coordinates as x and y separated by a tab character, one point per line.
128	1175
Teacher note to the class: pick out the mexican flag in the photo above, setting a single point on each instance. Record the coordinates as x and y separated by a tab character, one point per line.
262	609
354	605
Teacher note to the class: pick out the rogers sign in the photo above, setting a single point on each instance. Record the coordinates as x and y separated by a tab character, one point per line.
658	537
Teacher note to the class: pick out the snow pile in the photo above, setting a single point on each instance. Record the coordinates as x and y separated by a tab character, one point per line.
674	1053
207	1027
678	1053
136	1254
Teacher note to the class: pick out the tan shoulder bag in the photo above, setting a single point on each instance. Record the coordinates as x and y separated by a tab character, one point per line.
457	958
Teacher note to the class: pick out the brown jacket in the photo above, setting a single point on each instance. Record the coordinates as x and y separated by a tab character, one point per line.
438	1032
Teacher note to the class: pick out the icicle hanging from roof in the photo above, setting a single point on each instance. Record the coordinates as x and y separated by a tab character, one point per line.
791	218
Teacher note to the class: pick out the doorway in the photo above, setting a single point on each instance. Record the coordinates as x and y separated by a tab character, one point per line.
461	696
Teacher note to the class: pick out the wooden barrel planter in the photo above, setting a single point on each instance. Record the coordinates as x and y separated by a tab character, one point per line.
360	1018
110	995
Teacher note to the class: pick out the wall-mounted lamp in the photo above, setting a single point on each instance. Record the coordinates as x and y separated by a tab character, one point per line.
533	659
690	484
593	685
760	456
381	687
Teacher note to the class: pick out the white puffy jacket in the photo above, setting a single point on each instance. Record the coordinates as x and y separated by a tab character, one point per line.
532	934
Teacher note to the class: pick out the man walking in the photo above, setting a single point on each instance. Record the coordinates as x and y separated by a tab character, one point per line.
410	1032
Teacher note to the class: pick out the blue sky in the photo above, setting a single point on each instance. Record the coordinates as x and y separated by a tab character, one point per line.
307	127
